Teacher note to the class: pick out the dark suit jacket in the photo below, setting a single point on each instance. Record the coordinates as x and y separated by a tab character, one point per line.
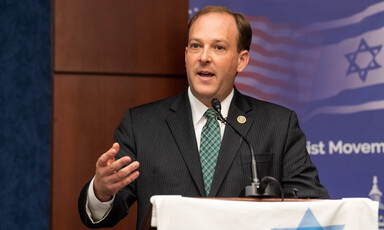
161	137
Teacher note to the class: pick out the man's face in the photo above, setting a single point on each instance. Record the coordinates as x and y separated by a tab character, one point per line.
211	57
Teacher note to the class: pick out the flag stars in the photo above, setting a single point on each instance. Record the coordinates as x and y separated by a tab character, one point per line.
193	11
363	59
309	222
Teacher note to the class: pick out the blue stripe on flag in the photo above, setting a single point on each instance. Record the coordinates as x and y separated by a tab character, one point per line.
336	35
352	97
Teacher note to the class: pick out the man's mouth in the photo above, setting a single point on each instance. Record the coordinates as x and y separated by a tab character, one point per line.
205	74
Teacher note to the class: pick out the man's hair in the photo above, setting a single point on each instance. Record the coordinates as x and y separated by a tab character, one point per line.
243	26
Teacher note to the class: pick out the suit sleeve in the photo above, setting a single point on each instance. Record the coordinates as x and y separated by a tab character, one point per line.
298	170
125	198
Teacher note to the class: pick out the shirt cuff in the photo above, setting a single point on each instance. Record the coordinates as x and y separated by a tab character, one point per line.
97	211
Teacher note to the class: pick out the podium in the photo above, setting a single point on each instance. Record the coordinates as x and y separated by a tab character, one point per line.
176	212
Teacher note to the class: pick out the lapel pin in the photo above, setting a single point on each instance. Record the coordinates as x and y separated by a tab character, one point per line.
241	119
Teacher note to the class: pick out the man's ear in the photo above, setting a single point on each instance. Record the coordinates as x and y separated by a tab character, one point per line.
243	60
185	55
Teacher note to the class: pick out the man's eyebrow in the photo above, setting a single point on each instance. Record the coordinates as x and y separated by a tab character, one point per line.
220	40
214	41
195	39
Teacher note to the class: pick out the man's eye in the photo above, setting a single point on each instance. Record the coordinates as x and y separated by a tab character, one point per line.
195	46
220	47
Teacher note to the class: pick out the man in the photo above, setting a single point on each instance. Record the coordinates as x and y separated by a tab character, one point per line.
165	137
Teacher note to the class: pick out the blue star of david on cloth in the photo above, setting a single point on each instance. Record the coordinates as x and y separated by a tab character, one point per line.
363	49
309	222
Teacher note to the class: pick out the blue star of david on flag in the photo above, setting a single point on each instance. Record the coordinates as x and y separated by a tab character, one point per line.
309	222
364	53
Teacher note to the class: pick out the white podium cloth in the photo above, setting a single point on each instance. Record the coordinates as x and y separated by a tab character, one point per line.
176	212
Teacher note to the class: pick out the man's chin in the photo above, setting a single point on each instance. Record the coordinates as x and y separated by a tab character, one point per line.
204	95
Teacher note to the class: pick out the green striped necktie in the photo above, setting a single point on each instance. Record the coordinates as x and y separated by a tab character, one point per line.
209	147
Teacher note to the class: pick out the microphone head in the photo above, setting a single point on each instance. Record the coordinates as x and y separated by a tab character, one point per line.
216	105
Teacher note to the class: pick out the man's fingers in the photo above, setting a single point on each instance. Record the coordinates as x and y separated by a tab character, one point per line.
116	146
106	158
122	178
126	180
112	175
126	171
117	165
129	179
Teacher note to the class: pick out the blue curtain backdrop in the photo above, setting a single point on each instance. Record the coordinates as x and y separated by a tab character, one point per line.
25	102
325	60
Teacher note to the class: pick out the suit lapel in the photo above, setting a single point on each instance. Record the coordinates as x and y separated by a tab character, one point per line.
231	141
181	126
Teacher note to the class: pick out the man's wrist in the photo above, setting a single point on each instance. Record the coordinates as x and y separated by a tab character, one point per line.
96	209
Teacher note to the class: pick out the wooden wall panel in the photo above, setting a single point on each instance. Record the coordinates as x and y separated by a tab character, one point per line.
87	109
120	36
108	56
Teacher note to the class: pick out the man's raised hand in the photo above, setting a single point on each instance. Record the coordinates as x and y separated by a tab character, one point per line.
111	175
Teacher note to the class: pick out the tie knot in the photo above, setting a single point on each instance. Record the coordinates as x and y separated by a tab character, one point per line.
210	113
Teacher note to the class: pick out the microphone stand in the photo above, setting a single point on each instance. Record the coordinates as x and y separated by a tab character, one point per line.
258	189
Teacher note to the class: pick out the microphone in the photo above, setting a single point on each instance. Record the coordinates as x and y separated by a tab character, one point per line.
257	188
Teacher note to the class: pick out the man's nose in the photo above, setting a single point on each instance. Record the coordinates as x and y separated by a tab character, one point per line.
205	56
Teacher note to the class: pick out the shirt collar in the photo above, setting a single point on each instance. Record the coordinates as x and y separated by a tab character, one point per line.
198	108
